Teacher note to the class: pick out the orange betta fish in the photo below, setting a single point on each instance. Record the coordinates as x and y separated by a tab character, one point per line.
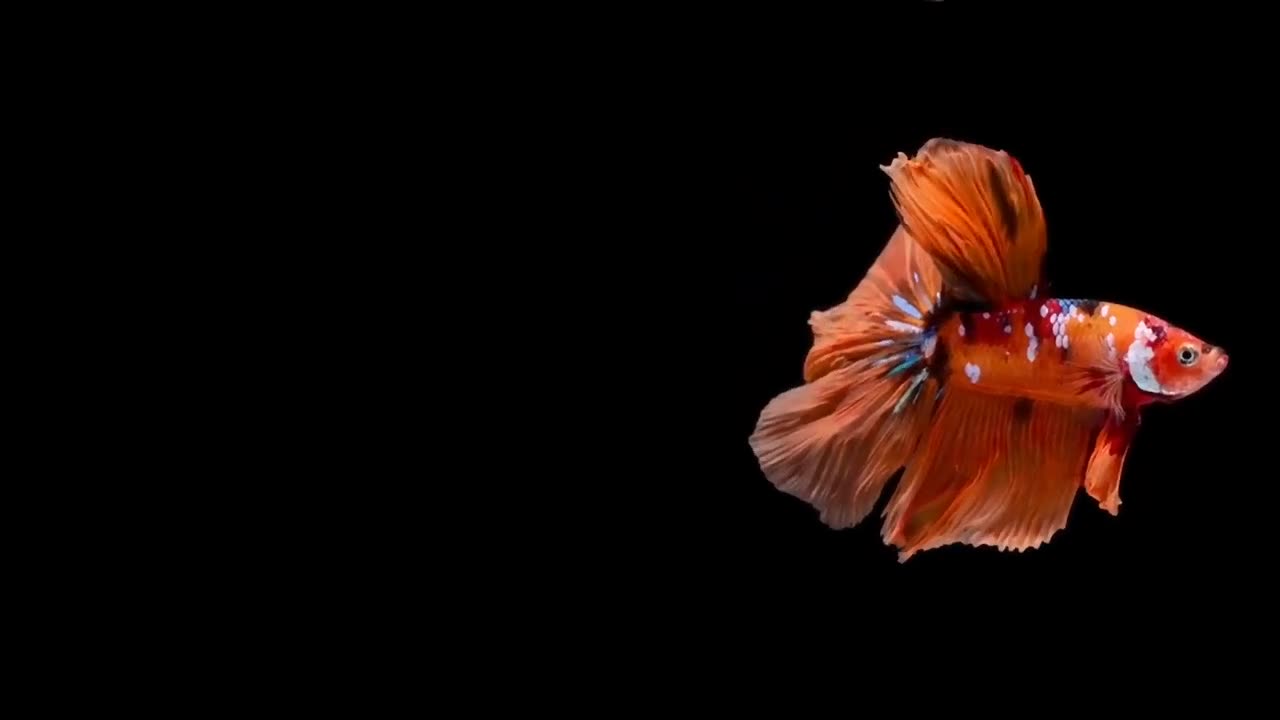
943	360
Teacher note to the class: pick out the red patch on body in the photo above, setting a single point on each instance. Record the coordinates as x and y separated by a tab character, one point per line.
1044	325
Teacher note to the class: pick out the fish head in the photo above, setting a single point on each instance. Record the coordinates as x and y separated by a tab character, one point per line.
1170	361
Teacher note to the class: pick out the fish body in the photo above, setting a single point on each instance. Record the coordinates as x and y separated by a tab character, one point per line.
1000	404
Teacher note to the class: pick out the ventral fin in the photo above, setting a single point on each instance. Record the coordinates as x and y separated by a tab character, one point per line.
976	213
1102	478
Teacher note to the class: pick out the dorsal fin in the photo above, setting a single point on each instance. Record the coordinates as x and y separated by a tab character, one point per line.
975	211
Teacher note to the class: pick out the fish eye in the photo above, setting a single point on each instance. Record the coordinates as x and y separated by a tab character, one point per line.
1188	355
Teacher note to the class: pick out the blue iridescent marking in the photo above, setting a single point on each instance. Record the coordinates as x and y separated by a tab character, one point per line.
1073	302
912	360
913	390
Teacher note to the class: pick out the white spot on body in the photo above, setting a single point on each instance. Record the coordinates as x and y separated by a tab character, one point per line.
885	343
1113	321
1139	359
986	316
1066	341
1032	348
1029	330
906	307
1034	288
917	277
1111	345
1105	309
902	327
1008	329
1044	311
961	331
973	372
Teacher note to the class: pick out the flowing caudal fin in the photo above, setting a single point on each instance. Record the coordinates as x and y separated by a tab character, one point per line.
869	390
992	470
1102	478
975	211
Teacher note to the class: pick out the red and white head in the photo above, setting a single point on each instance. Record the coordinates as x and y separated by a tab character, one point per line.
1166	360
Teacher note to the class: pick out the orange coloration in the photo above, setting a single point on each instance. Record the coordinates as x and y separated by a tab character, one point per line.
998	404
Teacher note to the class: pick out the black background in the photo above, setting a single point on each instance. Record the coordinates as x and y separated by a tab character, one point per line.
1153	172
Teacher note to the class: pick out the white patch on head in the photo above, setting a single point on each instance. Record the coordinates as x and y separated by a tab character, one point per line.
962	331
1113	321
906	307
1044	311
1105	309
1139	359
901	326
1029	330
973	372
1032	347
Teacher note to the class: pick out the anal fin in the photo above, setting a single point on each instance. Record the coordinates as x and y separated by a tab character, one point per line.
993	470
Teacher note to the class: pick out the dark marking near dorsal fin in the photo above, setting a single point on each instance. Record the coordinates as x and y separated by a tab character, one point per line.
1008	216
1087	306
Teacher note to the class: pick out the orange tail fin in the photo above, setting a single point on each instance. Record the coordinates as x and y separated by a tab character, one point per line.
976	213
868	392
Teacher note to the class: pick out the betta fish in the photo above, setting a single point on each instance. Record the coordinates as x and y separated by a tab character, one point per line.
948	363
